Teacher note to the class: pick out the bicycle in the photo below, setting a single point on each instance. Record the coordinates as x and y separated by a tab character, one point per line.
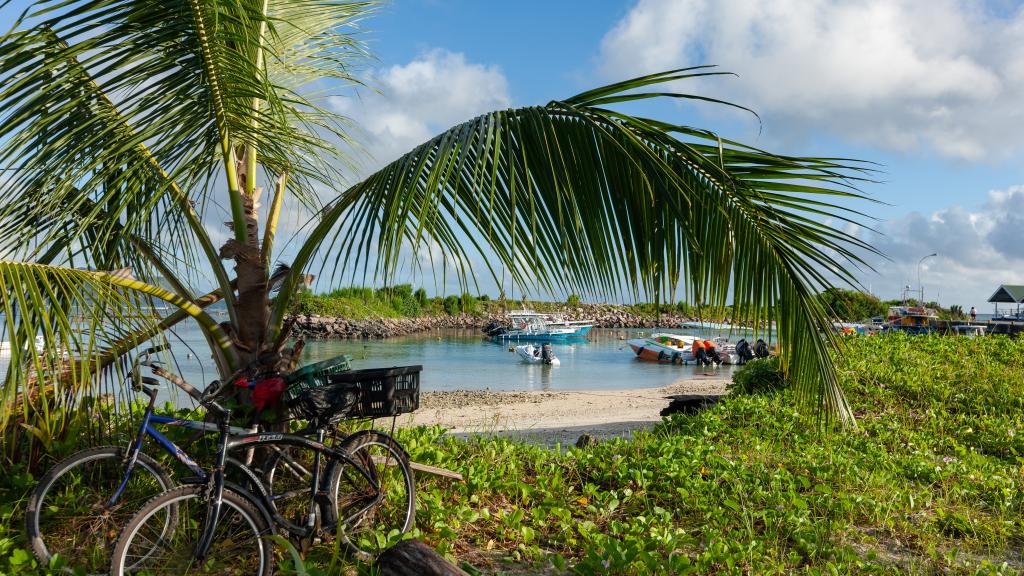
194	527
80	504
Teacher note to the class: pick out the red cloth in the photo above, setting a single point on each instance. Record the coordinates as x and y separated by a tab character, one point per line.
267	392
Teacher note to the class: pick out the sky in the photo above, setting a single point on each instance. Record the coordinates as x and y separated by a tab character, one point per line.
930	90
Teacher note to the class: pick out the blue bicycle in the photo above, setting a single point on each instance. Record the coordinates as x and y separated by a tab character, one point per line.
80	505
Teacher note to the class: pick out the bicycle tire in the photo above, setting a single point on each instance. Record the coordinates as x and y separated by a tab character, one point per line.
190	501
43	501
364	537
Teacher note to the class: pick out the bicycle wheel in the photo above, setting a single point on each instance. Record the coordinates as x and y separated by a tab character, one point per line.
239	548
68	512
373	526
287	477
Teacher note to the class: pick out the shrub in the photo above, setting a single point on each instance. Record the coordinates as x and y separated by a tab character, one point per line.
573	300
467	302
451	305
483	298
421	297
851	305
758	377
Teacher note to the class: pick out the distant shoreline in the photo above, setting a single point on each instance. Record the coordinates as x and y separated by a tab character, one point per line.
602	315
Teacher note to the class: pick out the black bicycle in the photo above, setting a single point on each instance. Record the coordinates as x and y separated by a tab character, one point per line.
80	505
361	491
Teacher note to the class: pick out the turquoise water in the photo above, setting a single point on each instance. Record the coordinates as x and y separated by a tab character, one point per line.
463	360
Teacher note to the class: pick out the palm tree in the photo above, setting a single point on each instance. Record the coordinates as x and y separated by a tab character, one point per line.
125	124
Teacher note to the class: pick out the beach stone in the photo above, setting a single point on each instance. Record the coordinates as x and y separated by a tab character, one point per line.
586	441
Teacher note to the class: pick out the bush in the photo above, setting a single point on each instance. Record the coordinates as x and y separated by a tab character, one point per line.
758	377
421	297
851	305
467	302
451	305
483	298
573	300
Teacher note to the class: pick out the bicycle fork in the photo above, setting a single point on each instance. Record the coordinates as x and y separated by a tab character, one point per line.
215	491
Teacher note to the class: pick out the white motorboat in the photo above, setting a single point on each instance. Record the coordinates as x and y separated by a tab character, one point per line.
678	348
5	346
532	354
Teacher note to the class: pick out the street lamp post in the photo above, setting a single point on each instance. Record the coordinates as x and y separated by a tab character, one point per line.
920	290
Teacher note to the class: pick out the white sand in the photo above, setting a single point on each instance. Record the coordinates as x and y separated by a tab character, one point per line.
554	417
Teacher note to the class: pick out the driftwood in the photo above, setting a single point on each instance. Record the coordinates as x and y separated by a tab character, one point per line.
412	557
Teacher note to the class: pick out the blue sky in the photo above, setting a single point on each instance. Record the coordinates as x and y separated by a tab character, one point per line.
929	90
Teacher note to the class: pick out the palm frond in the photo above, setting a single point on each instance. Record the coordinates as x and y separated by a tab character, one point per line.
577	198
61	325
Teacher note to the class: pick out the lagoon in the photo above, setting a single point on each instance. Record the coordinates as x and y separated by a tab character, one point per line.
464	360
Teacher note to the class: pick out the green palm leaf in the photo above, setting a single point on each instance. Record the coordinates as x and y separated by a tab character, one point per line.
61	326
573	197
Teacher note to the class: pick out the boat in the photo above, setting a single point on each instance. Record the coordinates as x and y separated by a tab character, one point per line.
582	327
677	348
5	346
969	330
911	319
529	325
697	325
537	354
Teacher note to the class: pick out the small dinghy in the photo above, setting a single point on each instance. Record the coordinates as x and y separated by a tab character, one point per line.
537	354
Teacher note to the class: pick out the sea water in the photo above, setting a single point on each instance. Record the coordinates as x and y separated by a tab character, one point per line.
465	360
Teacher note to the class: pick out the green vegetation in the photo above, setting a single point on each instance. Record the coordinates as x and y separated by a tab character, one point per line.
759	376
129	119
851	305
932	481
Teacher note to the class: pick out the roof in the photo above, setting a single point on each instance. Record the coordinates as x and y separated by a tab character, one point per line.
1008	293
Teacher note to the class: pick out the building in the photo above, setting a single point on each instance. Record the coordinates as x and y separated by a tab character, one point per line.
1008	294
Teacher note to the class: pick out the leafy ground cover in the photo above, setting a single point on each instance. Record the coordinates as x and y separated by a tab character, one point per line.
931	481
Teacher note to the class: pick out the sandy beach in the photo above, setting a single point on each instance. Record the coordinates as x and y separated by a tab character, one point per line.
553	417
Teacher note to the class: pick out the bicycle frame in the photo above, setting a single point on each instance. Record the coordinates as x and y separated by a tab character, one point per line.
146	429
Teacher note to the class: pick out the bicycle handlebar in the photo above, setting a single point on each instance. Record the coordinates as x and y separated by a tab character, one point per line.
143	359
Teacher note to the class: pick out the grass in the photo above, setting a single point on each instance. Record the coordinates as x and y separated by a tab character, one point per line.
932	481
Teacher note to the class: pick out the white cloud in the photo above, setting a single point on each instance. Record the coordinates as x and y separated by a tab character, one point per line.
420	99
903	74
978	248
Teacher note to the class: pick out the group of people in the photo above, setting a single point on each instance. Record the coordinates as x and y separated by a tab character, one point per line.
705	353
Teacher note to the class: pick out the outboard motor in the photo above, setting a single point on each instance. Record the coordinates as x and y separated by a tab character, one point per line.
546	354
493	328
744	352
761	348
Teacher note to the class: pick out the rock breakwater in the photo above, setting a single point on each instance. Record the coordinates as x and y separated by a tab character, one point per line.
603	316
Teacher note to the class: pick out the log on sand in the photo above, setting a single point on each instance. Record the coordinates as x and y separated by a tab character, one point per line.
412	557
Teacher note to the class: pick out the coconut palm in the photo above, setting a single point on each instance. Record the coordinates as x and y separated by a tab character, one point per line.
125	125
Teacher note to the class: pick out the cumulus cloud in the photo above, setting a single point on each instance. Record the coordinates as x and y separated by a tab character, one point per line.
945	75
978	248
417	100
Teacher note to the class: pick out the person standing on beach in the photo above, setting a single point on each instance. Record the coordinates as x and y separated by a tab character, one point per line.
974	314
699	354
709	349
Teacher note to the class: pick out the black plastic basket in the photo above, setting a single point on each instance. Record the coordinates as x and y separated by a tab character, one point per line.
313	376
383	391
373	393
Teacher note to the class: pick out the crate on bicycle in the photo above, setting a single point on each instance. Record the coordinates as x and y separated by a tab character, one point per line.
371	393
